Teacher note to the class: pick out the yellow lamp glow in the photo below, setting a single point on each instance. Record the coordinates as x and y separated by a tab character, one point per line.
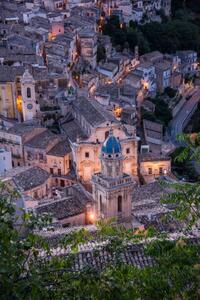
19	103
91	217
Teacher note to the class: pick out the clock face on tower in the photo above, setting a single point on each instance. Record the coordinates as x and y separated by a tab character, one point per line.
29	106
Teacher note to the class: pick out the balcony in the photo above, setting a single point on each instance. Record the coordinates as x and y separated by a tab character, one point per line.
112	183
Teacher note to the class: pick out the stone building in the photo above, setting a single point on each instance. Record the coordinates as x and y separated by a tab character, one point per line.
59	158
5	160
88	46
112	188
71	208
153	166
36	149
87	129
13	140
33	183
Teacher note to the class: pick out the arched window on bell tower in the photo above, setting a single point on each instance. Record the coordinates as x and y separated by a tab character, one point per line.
106	134
28	92
119	204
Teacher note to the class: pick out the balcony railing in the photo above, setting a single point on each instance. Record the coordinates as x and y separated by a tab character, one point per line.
112	183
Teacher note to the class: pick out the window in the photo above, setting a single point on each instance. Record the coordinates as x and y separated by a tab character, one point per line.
106	134
51	170
100	204
66	225
150	171
18	164
160	170
41	156
35	195
28	92
119	204
62	183
127	150
59	171
87	154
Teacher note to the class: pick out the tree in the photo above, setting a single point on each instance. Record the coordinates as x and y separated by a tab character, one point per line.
25	274
101	53
170	92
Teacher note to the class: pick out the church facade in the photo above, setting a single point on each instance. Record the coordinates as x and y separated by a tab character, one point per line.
112	188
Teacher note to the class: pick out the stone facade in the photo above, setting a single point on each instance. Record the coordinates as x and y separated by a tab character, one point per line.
112	189
87	152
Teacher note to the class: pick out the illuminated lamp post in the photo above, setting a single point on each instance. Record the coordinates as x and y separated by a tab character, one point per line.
90	214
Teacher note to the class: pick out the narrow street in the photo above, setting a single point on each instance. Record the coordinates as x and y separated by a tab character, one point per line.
179	122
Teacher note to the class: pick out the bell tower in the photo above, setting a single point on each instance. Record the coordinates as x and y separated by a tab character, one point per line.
28	96
112	189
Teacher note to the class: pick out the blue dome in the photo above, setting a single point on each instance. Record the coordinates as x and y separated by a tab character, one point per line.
111	145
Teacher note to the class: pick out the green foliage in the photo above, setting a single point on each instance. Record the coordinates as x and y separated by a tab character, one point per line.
25	274
192	6
172	36
191	150
186	198
182	166
180	33
170	92
125	36
162	112
147	115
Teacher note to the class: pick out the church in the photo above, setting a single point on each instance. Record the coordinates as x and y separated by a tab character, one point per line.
112	188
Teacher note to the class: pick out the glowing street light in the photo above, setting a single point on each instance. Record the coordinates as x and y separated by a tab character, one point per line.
91	217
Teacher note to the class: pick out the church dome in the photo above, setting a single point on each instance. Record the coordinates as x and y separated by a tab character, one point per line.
111	145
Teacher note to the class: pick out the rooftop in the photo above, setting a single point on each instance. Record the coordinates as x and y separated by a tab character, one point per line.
27	178
153	126
108	66
9	74
73	203
61	209
41	140
73	130
152	157
93	112
60	149
21	129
